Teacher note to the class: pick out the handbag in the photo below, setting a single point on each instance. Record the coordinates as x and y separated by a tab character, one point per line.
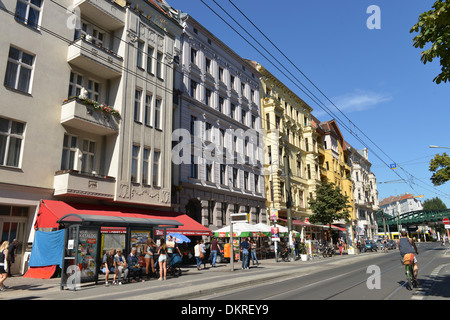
202	256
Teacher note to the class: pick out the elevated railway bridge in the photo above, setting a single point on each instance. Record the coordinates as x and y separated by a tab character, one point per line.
412	218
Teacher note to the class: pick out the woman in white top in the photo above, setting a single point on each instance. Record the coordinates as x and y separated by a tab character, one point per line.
3	255
197	252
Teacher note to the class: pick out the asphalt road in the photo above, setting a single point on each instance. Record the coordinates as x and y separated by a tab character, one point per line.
378	277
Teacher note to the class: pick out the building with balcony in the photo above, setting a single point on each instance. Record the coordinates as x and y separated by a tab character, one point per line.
290	142
86	107
220	168
365	194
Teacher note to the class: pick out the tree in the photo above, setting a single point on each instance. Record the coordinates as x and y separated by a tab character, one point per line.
329	205
434	204
440	165
434	27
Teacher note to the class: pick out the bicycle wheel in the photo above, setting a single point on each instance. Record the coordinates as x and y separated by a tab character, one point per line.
409	276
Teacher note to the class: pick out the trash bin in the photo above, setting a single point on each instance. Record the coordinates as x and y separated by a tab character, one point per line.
227	250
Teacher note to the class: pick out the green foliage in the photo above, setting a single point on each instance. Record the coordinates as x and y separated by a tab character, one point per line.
434	27
329	205
434	204
440	165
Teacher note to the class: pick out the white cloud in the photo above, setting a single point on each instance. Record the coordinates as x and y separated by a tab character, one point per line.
359	100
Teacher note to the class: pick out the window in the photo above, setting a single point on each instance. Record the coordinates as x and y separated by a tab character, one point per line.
224	213
28	12
91	34
193	56
208	97
11	136
134	163
232	81
93	90
233	111
223	174
137	105
75	84
69	152
194	168
19	70
208	171
221	104
88	156
150	51
158	113
243	117
246	180
208	65
140	52
156	168
148	109
208	131
146	166
221	78
192	124
256	180
211	205
235	177
159	64
193	92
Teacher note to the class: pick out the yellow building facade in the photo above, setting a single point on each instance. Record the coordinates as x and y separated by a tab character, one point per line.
286	119
334	162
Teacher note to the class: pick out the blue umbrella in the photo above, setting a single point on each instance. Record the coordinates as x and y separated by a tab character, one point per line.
179	237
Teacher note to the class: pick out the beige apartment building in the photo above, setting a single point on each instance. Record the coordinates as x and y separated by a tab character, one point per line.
289	133
85	107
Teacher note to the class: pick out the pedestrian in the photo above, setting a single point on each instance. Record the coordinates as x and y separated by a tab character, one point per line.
109	266
162	260
11	257
3	264
341	246
203	248
253	252
133	266
121	265
214	249
149	249
245	246
198	254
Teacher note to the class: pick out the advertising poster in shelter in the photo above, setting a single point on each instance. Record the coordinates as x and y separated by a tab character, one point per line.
138	239
87	250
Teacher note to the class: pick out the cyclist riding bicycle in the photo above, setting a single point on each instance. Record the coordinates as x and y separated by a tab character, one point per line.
407	245
385	245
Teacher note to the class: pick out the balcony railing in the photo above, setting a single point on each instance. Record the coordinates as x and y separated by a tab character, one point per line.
74	183
94	58
86	115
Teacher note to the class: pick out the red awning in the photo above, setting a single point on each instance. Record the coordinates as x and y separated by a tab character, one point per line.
50	211
297	222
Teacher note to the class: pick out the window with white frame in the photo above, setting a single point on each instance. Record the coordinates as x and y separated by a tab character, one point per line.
28	12
148	109
69	154
88	156
146	166
159	65
156	168
158	103
93	90
11	138
140	53
91	34
150	52
19	70
137	105
75	84
134	163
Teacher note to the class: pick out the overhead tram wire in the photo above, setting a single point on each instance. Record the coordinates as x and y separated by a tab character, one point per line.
327	109
348	129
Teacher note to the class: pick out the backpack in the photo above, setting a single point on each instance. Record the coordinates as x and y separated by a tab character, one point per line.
408	258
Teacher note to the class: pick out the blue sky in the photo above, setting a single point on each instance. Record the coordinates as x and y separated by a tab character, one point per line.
373	76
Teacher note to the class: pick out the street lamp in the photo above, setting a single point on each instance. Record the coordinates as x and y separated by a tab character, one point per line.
431	146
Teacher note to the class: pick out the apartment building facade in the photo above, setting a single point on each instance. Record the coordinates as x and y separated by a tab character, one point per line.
286	118
365	194
86	107
222	169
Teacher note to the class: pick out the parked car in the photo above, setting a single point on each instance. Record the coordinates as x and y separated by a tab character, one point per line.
371	245
392	244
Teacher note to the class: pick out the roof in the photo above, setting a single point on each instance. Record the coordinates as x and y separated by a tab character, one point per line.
52	211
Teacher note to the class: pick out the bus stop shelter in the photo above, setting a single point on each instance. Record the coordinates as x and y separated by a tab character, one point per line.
82	251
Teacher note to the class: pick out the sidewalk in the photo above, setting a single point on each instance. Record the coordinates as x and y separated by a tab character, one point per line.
189	285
